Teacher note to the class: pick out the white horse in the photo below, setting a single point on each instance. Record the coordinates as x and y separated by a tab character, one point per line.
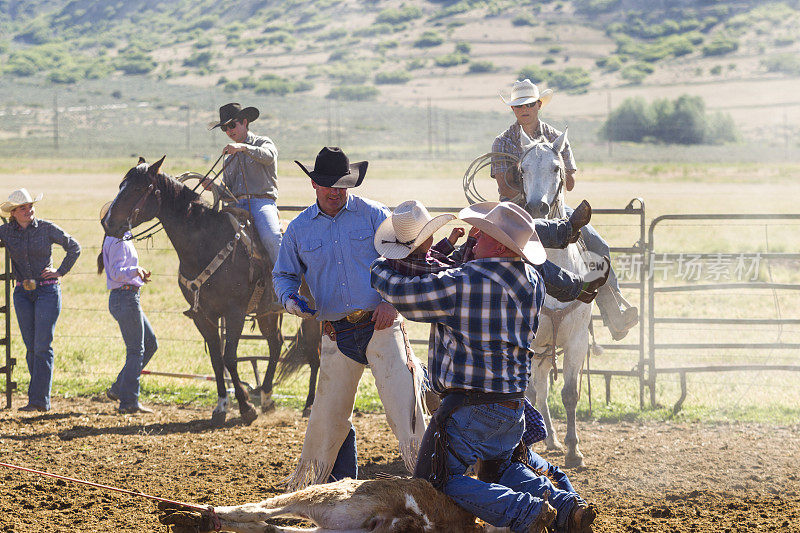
562	325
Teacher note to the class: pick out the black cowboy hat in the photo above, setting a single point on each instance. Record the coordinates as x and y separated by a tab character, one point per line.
333	169
234	111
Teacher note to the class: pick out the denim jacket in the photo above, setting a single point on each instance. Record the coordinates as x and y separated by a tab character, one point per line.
30	248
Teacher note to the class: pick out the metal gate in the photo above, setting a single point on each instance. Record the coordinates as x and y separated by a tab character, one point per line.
637	252
654	319
5	341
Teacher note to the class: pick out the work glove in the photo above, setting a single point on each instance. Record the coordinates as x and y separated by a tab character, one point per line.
298	306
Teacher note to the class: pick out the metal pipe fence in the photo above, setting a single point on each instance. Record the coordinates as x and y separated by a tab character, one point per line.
655	319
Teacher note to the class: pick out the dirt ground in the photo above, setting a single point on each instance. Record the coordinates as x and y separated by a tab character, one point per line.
643	476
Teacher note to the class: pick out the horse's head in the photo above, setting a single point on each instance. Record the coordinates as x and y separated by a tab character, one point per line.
137	201
542	174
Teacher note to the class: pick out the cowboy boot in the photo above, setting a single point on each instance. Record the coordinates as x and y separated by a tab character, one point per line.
581	518
590	288
618	317
578	219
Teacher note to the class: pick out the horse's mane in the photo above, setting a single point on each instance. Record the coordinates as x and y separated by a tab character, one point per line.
180	197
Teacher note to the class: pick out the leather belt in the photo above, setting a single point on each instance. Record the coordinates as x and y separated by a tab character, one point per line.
511	400
255	197
357	319
31	284
134	288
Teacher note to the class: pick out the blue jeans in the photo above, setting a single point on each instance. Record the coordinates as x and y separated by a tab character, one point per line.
596	244
491	432
346	464
265	217
561	284
140	344
37	313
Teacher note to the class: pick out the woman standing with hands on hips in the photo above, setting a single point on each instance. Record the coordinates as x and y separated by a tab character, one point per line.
124	278
37	296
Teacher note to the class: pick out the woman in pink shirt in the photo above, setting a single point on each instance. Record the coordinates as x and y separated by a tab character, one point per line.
124	278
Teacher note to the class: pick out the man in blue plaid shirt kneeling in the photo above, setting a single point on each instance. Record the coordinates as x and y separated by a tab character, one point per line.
485	315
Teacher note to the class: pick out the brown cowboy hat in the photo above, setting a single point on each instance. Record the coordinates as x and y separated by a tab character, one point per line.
334	169
233	111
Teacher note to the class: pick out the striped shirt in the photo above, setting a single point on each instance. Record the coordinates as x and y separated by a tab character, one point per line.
485	314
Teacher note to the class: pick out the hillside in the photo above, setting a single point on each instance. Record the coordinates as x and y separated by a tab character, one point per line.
451	54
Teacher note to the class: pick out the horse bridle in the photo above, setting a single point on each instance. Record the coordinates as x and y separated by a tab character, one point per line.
561	180
151	189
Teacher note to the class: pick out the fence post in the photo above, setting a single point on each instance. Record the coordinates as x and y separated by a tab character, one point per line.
6	341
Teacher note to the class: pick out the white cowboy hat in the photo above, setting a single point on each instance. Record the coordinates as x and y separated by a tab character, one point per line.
525	92
104	210
18	198
508	224
409	226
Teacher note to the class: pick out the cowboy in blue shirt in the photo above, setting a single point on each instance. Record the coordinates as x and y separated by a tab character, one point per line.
485	315
331	245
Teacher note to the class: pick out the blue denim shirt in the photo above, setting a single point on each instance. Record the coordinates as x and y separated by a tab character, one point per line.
30	248
334	255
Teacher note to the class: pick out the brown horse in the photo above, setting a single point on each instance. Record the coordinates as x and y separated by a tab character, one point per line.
206	241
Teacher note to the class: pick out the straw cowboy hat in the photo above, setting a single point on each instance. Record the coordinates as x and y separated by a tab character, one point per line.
508	224
525	92
18	198
104	210
409	226
233	111
334	169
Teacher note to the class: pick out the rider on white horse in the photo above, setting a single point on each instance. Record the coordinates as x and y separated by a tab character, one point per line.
526	101
331	244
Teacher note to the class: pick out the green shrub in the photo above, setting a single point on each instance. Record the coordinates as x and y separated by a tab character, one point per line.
716	70
429	39
450	60
339	55
611	63
571	79
64	75
784	63
784	41
463	48
134	62
375	29
524	20
399	15
382	46
205	42
633	74
548	61
416	63
535	73
596	7
720	45
632	121
332	35
476	67
199	59
555	49
353	92
393	77
682	121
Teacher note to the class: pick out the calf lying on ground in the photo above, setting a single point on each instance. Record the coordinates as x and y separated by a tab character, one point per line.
353	506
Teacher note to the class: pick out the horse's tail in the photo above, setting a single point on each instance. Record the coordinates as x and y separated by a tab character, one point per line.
304	349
